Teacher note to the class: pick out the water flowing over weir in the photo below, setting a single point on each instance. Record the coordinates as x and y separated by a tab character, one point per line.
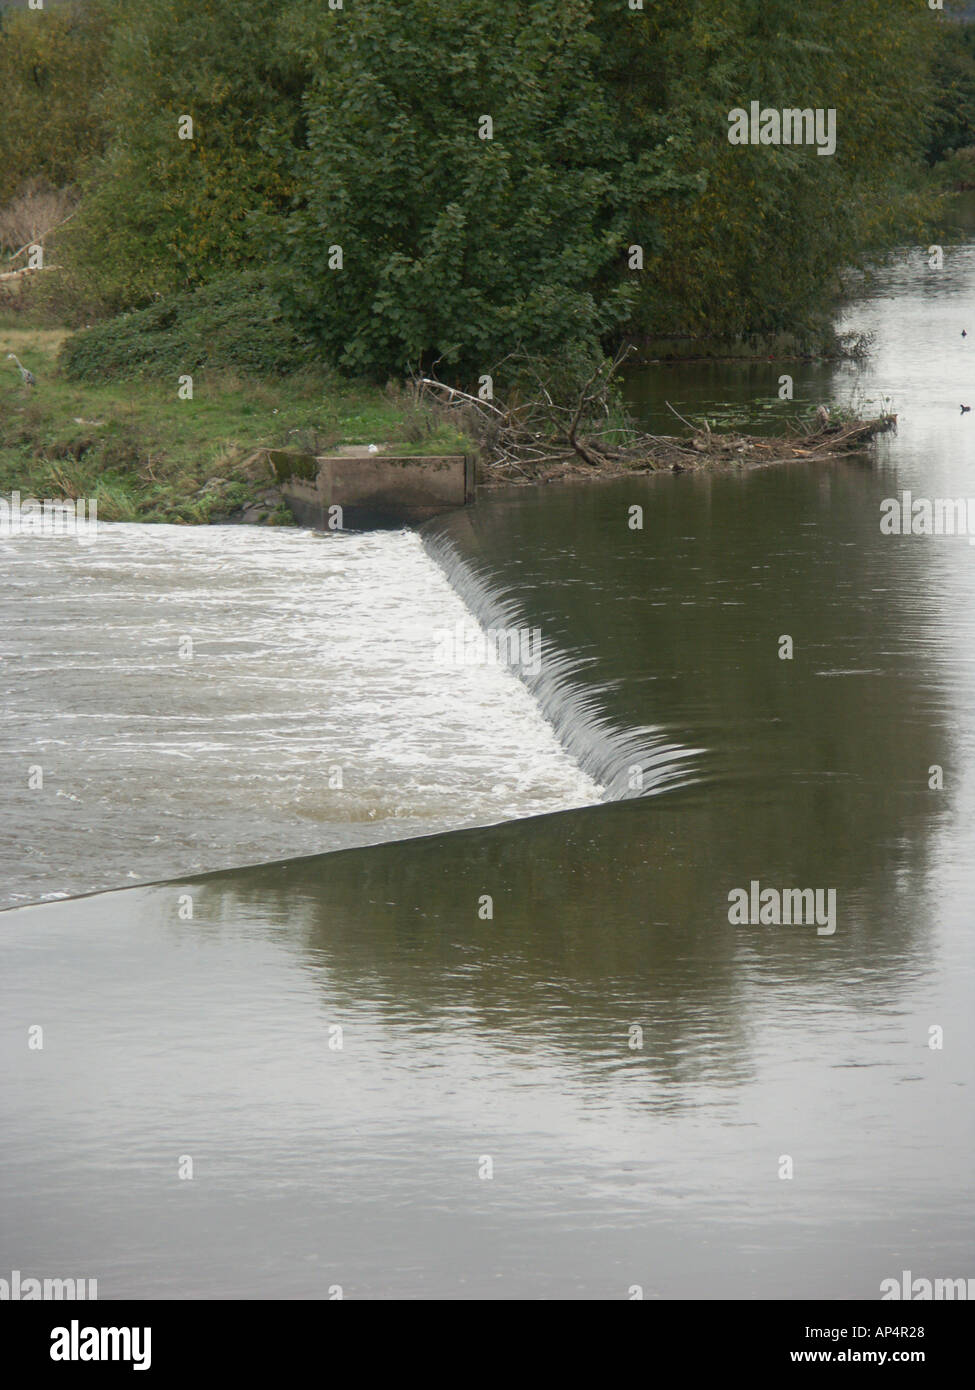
201	698
624	762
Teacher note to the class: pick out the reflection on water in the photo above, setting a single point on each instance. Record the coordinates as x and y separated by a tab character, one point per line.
510	1038
636	1068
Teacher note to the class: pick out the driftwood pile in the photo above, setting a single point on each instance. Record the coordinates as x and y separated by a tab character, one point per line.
541	440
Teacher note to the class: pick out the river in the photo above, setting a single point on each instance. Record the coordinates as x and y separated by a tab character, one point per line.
502	1039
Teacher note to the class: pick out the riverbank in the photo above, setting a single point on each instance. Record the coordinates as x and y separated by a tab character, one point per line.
146	454
149	451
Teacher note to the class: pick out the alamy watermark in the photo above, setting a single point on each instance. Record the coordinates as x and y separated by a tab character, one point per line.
763	125
49	518
23	1288
756	906
464	645
908	515
77	1343
924	1290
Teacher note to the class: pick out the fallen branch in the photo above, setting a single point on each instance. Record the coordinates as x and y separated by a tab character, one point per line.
544	437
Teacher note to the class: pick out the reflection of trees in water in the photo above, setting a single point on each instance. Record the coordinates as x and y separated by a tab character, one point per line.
602	919
589	936
617	915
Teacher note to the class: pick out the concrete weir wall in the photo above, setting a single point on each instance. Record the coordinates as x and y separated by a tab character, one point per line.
373	489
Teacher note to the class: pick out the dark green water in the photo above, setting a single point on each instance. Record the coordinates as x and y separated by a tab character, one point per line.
619	1158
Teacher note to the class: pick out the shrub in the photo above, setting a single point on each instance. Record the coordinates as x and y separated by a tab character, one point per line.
232	323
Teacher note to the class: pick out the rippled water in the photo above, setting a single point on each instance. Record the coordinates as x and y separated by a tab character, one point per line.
202	697
561	995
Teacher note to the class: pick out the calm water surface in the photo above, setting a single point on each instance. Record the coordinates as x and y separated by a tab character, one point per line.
620	1157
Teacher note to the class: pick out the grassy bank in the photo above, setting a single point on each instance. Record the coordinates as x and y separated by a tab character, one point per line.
146	455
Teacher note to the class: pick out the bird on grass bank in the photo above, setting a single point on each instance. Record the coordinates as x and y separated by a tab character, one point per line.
822	416
28	378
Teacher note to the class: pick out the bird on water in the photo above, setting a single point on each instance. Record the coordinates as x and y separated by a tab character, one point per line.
28	378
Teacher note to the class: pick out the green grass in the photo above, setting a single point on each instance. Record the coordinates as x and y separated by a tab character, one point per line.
145	454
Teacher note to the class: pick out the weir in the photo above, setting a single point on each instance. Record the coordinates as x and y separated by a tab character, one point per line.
377	490
625	763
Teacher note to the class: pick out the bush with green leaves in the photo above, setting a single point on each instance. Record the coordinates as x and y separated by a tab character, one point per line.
162	212
953	122
463	241
760	247
231	324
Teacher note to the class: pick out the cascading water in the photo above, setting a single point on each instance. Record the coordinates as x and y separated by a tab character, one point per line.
183	699
624	762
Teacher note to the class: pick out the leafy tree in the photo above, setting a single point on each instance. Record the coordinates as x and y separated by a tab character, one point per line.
759	248
458	249
163	212
953	124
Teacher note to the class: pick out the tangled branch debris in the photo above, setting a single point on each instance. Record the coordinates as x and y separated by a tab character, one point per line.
541	439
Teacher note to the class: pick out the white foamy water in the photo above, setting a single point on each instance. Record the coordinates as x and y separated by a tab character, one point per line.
314	662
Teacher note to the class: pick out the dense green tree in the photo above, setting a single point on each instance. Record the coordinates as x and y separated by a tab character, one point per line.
463	241
759	248
163	212
317	128
953	124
